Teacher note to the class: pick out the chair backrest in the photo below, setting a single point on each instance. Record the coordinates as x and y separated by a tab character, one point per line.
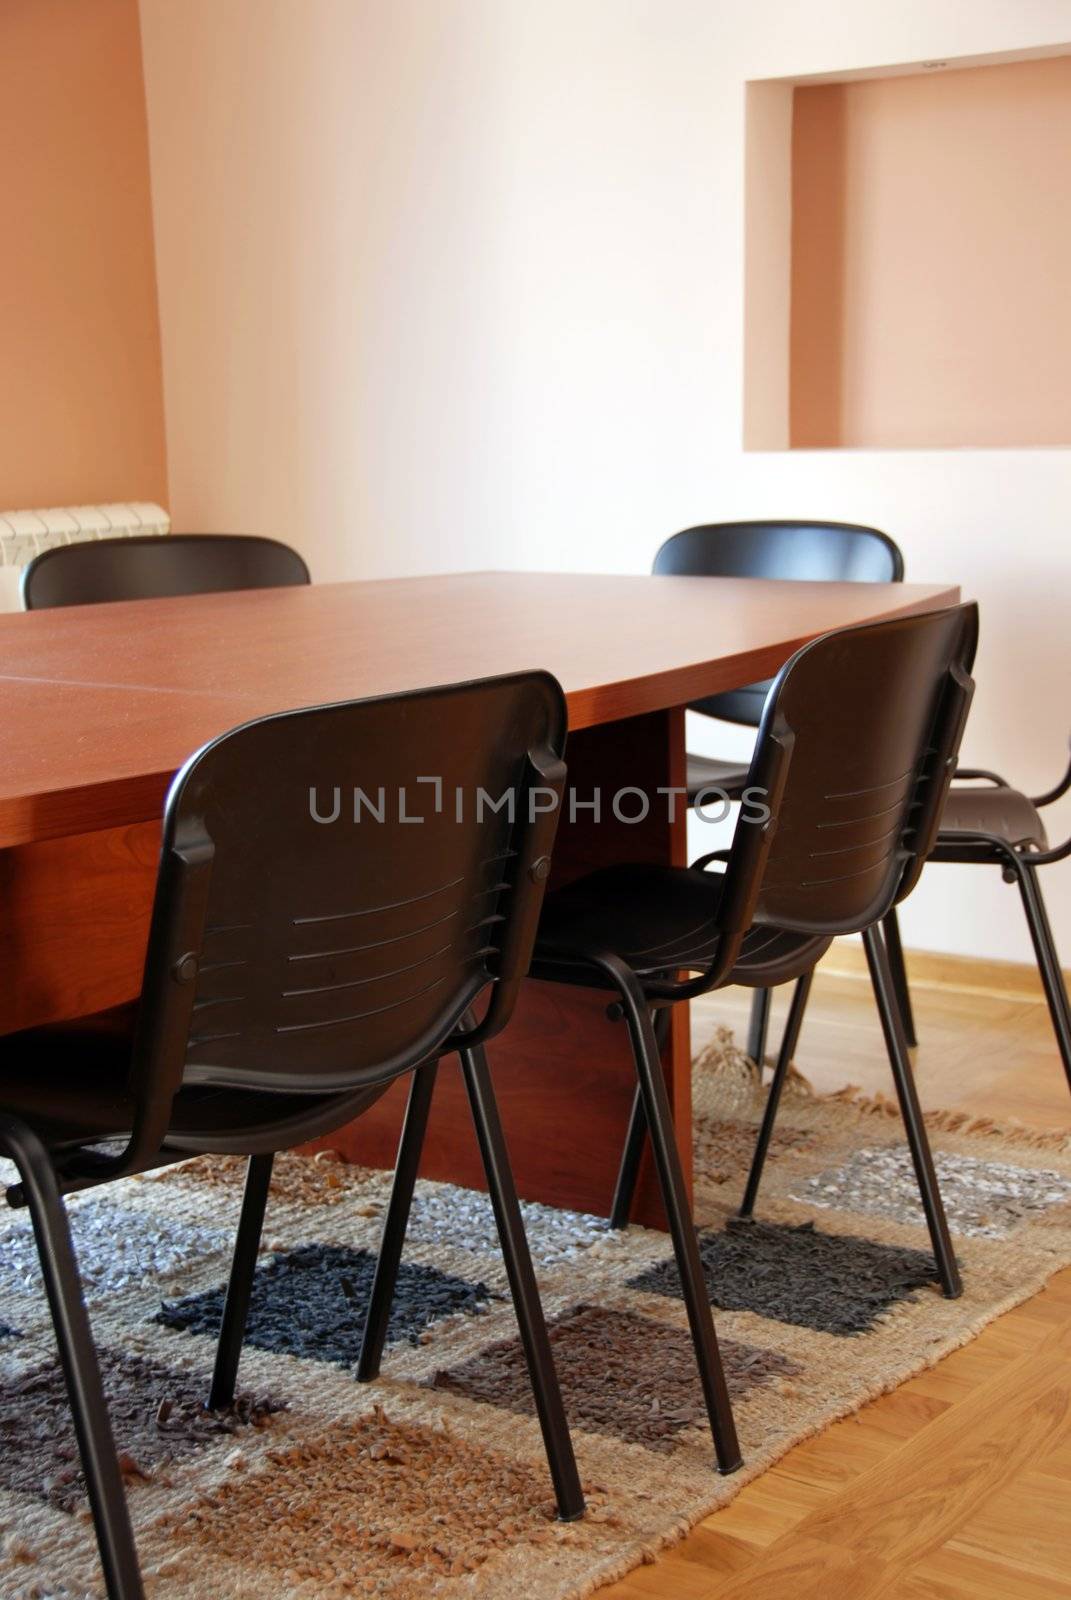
855	751
339	885
151	567
809	551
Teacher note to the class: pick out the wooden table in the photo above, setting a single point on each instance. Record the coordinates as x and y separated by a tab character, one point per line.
101	704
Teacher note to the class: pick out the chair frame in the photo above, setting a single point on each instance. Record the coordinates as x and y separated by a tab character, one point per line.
744	864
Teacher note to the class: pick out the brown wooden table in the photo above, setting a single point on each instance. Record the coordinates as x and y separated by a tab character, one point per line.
99	705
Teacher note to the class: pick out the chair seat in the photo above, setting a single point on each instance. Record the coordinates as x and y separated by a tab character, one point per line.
982	808
660	919
706	772
70	1082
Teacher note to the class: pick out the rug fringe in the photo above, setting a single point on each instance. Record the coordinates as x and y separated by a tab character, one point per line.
738	1078
949	1121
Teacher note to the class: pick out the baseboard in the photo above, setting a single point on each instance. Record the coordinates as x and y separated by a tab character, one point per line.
931	969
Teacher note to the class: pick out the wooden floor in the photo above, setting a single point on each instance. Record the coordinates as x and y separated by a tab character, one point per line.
958	1485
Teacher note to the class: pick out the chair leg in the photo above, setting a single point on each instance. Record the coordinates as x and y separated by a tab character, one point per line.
78	1358
759	1027
675	1199
629	1170
904	1078
522	1282
789	1042
1048	961
240	1283
410	1148
891	929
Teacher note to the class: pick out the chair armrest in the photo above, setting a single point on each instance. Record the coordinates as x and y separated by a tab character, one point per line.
701	863
972	773
1013	852
1061	788
1045	858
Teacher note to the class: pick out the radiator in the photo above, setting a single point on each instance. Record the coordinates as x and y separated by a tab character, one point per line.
24	534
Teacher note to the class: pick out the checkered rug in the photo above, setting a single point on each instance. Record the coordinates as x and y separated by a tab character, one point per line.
432	1481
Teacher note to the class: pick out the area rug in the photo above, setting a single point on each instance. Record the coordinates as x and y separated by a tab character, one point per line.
432	1481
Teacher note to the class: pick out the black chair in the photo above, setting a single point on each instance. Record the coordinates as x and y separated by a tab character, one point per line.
306	949
832	766
855	751
151	567
999	826
797	549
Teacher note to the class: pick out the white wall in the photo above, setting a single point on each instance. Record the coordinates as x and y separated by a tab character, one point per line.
452	283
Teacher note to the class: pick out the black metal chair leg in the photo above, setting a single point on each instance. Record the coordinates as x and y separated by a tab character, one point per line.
759	1027
1048	961
410	1147
522	1282
78	1358
675	1199
891	929
904	1078
629	1170
793	1024
240	1284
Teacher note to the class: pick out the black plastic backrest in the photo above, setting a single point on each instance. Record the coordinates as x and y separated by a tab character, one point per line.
150	567
813	551
298	949
856	747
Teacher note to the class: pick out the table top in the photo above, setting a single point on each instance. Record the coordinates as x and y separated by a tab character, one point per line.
100	705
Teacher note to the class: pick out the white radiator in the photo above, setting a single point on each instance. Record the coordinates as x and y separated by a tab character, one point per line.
24	534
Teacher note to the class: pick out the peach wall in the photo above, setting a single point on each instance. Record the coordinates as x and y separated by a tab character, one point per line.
327	201
81	396
931	262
